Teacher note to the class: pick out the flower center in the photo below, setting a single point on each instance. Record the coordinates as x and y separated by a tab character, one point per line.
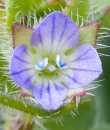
50	70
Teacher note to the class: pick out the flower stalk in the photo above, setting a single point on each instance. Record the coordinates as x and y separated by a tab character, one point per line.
27	106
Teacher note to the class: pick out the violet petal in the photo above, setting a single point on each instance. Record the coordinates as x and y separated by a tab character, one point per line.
85	67
56	29
49	95
21	70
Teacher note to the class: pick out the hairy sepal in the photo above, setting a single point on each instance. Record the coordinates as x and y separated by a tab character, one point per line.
88	34
21	34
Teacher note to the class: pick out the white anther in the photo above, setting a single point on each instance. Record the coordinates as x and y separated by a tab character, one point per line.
41	65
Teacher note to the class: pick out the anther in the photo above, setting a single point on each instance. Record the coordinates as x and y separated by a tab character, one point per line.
61	64
41	65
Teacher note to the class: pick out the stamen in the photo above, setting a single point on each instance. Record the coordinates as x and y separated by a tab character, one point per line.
61	64
41	65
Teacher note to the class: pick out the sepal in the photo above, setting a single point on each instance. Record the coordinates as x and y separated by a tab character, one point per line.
21	34
88	34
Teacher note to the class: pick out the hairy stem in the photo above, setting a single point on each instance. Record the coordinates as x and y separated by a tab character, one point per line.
31	107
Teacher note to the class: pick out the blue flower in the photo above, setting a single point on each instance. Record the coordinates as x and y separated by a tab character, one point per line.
50	71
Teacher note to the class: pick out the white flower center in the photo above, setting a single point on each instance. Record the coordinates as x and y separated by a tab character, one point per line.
50	68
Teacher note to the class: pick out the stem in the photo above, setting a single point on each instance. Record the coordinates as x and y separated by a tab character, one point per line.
31	107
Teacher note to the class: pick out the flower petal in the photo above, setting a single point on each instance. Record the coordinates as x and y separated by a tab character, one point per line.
49	94
21	70
85	67
56	29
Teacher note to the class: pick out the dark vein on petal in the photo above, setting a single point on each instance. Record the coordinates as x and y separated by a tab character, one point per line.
24	49
28	79
72	79
53	24
80	57
41	90
85	70
48	89
58	87
15	73
39	33
71	35
21	59
63	31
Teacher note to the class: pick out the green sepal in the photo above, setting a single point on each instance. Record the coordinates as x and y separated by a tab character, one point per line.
78	10
21	34
88	34
29	106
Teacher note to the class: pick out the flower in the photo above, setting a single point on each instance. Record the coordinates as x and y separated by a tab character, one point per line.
54	63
